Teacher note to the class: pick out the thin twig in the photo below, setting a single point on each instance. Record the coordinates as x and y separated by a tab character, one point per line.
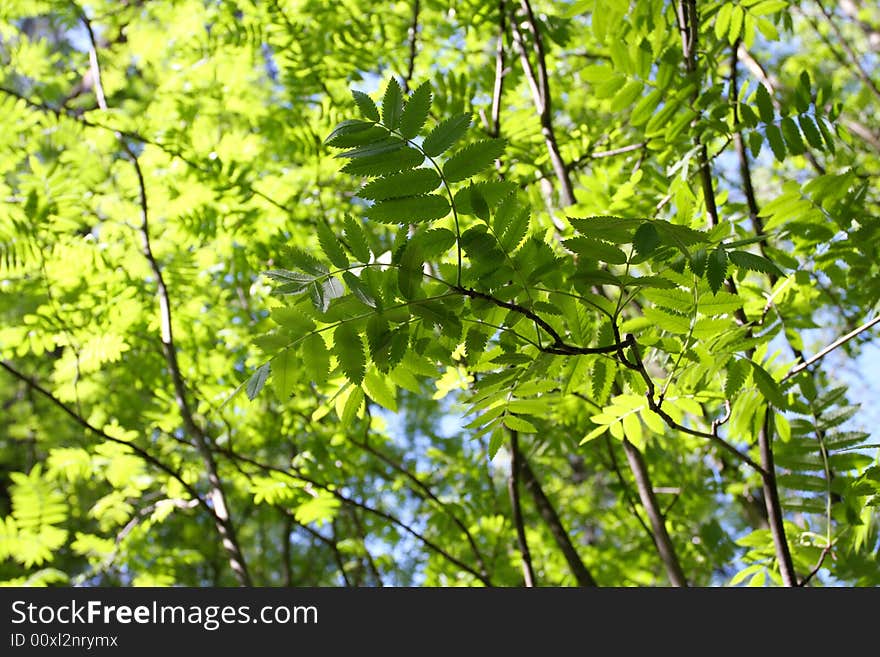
413	34
297	475
141	452
825	552
831	347
225	525
424	491
853	58
513	490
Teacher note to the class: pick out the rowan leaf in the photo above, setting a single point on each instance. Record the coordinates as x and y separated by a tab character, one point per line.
446	134
392	105
472	159
416	111
411	209
349	351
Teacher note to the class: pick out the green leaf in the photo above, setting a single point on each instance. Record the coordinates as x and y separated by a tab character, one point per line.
492	191
384	146
475	343
285	374
716	268
610	229
774	138
409	273
511	222
349	352
356	239
330	245
359	289
406	183
595	250
827	135
322	292
472	159
353	404
767	386
257	381
414	209
392	105
736	22
316	358
811	132
355	133
754	262
435	242
445	134
792	136
380	390
765	104
722	20
646	239
416	111
697	261
366	105
380	164
517	423
737	370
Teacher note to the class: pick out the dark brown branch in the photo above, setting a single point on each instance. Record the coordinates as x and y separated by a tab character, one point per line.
224	524
559	346
540	87
627	493
413	34
425	492
665	548
516	508
142	453
637	365
771	499
551	517
297	475
825	552
688	25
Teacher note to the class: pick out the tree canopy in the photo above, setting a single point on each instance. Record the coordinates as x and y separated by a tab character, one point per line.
438	292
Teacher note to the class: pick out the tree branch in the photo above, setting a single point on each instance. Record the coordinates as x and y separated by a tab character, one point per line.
413	34
541	96
144	454
771	499
551	517
831	347
225	525
513	490
851	55
660	535
426	493
297	475
498	87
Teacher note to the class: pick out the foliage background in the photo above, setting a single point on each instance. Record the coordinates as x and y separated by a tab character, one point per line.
158	157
